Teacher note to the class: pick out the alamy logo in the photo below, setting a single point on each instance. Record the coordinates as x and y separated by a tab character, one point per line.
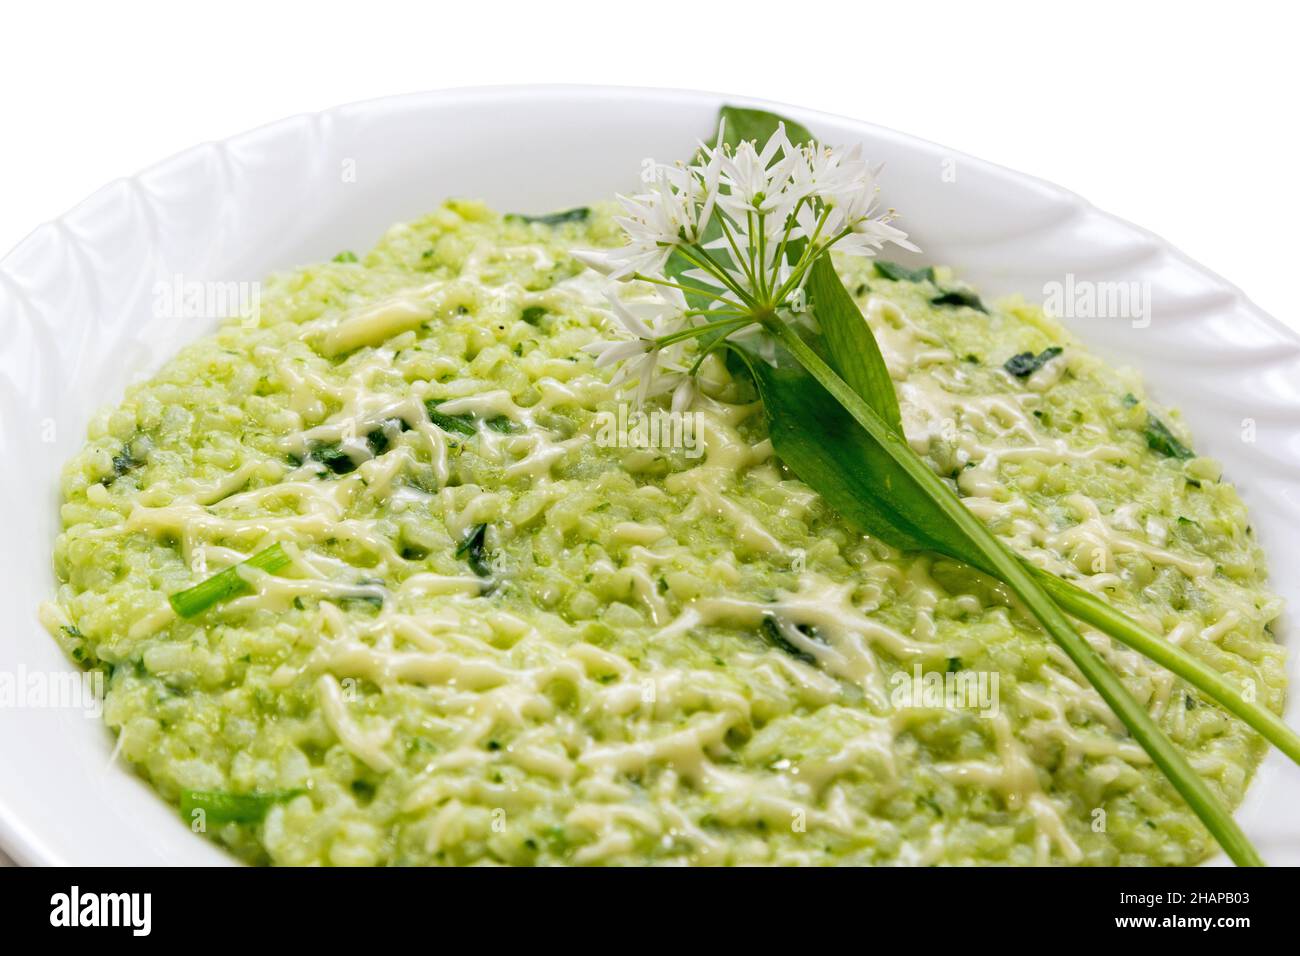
656	429
183	298
951	690
22	689
103	909
1085	299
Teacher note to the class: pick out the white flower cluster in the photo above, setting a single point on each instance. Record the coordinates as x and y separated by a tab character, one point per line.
746	224
655	368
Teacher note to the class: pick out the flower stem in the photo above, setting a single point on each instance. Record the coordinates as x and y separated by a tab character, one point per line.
1006	566
736	257
695	331
709	265
684	289
790	223
1092	610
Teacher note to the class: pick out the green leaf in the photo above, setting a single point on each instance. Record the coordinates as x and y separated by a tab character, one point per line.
959	298
771	631
474	549
1027	363
822	444
896	273
1162	440
744	124
457	424
377	441
578	214
854	354
333	457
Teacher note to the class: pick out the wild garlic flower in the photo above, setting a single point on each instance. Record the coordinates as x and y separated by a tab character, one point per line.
655	368
728	241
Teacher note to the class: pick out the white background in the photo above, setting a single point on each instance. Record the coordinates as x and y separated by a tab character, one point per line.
1177	116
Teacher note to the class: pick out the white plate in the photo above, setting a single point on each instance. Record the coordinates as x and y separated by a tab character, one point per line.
77	327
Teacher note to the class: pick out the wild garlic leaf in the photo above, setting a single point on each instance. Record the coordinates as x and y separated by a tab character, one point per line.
822	444
744	124
854	354
834	437
896	273
869	474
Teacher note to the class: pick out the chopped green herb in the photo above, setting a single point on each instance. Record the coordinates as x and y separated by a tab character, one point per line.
502	424
121	465
1027	363
1160	439
460	424
333	457
227	583
474	549
218	806
377	441
771	630
577	214
370	600
533	314
363	790
346	256
959	297
896	273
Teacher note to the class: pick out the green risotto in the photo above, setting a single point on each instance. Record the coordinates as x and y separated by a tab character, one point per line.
494	614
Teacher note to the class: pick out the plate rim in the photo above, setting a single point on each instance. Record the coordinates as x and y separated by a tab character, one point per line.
21	842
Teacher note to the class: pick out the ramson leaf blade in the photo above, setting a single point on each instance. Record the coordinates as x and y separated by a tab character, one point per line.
852	349
744	124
